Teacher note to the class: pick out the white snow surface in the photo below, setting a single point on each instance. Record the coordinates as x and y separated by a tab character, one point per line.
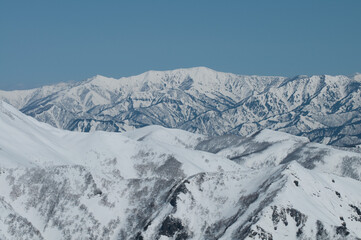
159	183
43	145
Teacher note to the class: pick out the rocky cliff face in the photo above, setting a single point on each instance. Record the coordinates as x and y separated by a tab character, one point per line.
158	183
326	109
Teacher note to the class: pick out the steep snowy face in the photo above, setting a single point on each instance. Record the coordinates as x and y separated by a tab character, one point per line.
286	202
158	183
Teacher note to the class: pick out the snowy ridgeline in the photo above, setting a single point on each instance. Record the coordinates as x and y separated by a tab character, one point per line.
158	183
326	109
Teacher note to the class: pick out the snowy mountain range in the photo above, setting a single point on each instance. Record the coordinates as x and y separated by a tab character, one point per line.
325	109
159	183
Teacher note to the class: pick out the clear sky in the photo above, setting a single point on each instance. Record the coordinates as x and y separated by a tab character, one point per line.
44	42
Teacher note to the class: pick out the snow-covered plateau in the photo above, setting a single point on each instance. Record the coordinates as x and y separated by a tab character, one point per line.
159	183
324	108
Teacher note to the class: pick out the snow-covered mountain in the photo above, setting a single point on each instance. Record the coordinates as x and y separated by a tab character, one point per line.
159	183
326	109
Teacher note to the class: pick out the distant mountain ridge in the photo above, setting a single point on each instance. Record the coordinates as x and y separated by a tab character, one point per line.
324	108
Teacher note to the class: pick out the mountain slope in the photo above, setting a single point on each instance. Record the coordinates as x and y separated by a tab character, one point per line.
158	183
326	109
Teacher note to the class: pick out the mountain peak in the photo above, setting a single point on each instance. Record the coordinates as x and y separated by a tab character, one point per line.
198	69
179	71
357	76
98	77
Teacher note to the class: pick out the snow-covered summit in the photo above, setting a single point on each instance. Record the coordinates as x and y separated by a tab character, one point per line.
323	108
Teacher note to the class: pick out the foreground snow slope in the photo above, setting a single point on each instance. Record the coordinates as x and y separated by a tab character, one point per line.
158	183
324	108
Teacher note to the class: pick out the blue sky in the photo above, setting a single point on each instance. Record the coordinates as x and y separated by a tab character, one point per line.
44	42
